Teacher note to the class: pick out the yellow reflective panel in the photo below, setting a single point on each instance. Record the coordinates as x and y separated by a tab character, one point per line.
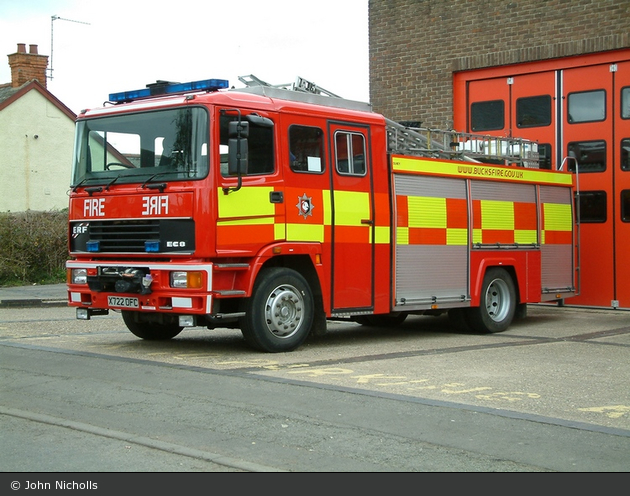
251	201
279	231
427	211
402	235
305	232
557	217
381	234
524	236
351	207
327	207
456	236
497	215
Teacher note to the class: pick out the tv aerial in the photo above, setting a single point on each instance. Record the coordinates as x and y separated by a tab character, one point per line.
52	20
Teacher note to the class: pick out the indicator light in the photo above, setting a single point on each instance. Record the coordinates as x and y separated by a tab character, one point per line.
151	246
93	246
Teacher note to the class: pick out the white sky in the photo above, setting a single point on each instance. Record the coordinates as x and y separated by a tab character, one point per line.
120	45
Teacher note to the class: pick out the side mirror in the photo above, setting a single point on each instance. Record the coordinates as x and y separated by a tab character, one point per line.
237	156
238	131
259	120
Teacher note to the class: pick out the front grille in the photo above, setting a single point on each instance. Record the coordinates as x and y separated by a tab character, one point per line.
124	236
130	236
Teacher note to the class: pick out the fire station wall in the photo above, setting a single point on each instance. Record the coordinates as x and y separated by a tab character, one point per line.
416	45
36	142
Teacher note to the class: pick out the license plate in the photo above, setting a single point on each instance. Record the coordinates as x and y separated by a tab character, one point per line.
122	302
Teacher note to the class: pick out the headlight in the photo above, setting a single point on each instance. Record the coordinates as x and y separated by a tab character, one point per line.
79	276
182	279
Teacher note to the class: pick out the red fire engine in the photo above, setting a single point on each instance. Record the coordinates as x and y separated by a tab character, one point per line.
274	209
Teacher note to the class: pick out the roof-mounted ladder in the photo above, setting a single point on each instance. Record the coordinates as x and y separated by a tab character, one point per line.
300	84
435	143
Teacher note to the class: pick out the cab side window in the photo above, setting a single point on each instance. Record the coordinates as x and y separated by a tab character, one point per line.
260	143
306	149
350	153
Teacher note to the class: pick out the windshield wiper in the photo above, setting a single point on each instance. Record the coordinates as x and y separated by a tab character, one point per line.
96	188
111	182
160	186
80	183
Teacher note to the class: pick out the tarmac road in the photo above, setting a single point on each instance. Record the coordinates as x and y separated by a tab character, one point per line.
549	394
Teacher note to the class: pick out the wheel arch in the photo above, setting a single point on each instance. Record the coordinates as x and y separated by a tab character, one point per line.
300	263
304	263
509	265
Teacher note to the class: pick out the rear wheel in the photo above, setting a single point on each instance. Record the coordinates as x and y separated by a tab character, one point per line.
497	305
151	331
280	312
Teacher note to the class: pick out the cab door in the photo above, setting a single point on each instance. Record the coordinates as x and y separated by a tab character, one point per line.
352	222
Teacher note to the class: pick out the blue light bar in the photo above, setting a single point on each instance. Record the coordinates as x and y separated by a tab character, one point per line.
168	88
151	246
93	246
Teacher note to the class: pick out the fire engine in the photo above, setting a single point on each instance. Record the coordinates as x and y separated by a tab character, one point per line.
273	209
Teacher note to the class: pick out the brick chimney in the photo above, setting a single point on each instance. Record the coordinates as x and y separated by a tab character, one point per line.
27	66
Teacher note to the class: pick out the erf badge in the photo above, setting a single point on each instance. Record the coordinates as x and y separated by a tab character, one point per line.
305	206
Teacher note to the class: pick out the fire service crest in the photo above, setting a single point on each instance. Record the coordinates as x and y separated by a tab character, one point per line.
305	205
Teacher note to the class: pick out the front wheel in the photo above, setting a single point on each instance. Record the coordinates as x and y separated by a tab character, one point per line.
151	331
280	312
497	305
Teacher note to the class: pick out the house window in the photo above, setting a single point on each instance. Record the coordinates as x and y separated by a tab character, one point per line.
487	116
533	111
586	106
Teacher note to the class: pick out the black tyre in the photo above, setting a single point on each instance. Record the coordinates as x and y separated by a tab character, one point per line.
497	305
521	311
151	331
458	317
381	320
280	313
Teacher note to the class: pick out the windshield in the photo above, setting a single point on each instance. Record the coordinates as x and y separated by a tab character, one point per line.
164	145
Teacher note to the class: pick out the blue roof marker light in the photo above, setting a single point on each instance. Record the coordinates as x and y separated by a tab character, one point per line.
168	88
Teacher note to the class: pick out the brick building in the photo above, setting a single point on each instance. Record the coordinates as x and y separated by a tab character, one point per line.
416	46
556	72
